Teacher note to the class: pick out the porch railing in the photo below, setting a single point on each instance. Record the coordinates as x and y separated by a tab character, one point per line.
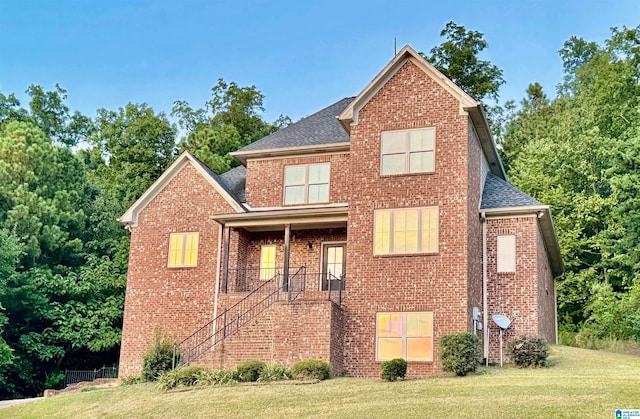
76	376
229	322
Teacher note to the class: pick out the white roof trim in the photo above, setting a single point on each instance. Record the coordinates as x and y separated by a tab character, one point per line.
130	217
350	114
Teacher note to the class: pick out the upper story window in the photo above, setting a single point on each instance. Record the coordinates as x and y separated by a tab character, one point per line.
306	184
405	230
183	250
408	151
506	250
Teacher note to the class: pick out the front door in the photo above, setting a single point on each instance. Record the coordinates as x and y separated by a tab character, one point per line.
333	266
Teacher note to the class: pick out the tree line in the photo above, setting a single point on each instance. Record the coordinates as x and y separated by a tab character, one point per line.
66	177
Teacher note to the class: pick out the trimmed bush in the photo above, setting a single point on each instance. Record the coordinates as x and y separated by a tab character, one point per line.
460	353
158	358
249	371
310	369
393	369
274	372
528	351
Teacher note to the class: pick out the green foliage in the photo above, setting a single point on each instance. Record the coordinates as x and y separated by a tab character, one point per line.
215	377
158	358
230	120
528	351
131	380
185	376
55	380
310	369
460	353
274	372
457	58
250	370
393	369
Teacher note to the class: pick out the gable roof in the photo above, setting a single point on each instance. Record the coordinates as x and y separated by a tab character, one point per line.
130	217
320	129
467	103
235	181
501	199
498	193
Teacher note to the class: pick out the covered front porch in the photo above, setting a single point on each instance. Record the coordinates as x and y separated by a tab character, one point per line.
298	250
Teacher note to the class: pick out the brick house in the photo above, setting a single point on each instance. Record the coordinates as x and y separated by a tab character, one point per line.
361	233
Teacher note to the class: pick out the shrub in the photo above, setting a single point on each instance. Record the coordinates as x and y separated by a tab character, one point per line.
249	371
394	369
310	369
528	351
460	353
186	376
158	358
130	380
218	377
274	372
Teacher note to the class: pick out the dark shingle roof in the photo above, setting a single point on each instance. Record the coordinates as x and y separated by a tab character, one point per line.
233	183
235	180
320	128
499	193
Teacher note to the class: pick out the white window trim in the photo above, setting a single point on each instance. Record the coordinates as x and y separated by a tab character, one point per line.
306	184
184	250
420	251
408	152
404	334
506	265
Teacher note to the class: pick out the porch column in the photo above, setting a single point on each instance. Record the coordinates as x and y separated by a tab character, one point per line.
225	264
287	238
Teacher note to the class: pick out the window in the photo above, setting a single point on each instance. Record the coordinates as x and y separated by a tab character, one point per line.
402	231
267	262
183	250
407	151
306	184
506	250
404	335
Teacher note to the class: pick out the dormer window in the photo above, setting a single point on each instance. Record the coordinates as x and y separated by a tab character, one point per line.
306	184
407	151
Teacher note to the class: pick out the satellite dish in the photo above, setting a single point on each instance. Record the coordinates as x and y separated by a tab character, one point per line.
502	321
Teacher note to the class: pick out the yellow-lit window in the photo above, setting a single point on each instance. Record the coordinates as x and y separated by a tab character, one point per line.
183	250
404	335
407	151
267	262
405	231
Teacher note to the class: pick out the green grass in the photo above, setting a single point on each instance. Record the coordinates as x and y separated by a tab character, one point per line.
578	383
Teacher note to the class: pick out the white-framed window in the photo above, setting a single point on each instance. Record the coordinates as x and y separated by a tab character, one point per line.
267	262
183	250
407	335
405	231
407	151
506	254
306	183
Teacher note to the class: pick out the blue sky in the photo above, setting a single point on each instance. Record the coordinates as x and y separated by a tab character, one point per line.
302	55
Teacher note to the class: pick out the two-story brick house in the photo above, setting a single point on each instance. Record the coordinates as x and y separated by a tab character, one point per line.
361	233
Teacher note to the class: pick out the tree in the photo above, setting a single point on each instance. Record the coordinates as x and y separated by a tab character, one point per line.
230	120
457	58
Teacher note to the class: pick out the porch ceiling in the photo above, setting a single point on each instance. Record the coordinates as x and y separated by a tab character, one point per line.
298	218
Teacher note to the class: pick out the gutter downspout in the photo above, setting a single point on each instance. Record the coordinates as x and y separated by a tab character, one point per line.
217	286
485	300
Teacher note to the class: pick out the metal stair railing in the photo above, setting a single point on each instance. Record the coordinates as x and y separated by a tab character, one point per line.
280	287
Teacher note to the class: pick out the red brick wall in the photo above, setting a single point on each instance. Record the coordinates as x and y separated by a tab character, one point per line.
438	283
546	295
286	333
510	293
271	172
178	300
474	268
